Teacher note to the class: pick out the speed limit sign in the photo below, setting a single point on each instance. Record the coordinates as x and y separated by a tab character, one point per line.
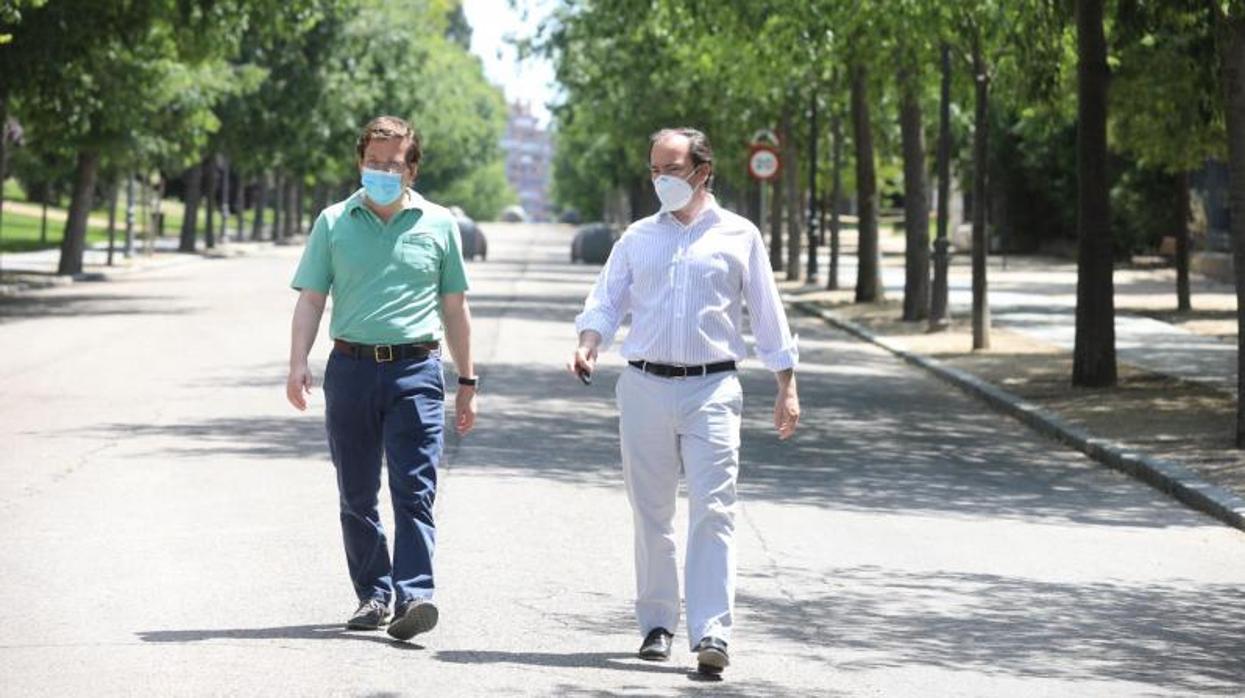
763	162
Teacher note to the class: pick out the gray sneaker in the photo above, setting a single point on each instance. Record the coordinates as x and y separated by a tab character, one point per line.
372	614
414	618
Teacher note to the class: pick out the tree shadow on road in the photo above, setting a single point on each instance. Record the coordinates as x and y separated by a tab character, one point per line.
67	305
875	435
241	437
1184	638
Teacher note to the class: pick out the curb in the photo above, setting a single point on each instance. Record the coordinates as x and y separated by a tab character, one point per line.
1167	476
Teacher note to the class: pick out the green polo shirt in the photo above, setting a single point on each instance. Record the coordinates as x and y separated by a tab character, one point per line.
386	279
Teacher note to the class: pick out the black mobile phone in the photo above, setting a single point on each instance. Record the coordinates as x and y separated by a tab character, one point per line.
585	376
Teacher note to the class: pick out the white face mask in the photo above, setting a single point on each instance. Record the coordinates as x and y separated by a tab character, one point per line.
673	192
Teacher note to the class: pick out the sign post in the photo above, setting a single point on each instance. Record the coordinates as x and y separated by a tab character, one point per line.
764	164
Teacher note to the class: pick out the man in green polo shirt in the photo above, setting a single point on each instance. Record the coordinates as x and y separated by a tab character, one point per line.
393	265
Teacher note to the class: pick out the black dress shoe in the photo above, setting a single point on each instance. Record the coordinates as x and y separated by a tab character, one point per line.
711	656
656	645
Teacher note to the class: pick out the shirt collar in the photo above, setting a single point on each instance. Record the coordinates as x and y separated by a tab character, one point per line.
411	199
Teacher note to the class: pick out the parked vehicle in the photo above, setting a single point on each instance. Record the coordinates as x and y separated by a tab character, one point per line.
592	243
514	214
475	244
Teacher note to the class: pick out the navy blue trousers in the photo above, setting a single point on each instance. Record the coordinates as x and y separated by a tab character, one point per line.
392	411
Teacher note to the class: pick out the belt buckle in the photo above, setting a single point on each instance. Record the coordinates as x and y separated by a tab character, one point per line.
683	369
388	353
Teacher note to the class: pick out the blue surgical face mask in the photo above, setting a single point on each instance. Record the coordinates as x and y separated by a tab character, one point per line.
382	187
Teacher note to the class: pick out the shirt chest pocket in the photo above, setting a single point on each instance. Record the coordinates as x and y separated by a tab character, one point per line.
419	255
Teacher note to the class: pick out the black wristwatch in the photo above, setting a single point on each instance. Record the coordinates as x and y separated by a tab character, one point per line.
473	381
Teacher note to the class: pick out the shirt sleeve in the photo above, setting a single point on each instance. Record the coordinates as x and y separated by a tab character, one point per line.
607	303
315	269
775	345
453	270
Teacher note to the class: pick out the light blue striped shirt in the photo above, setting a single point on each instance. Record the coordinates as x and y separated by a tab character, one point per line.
684	287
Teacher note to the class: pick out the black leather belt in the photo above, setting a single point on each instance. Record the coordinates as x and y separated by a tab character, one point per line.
382	353
667	371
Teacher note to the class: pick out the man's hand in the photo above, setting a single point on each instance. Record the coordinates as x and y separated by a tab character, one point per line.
786	409
464	409
584	360
298	386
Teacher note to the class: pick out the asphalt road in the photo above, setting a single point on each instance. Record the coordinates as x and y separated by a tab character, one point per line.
170	524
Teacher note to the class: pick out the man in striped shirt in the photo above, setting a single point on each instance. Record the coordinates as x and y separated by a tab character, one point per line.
683	276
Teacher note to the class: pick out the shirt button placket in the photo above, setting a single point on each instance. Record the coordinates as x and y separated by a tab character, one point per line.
680	299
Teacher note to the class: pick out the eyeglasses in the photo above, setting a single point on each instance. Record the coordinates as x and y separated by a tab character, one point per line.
390	167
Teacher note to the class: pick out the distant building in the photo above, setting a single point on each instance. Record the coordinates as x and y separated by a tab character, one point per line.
529	160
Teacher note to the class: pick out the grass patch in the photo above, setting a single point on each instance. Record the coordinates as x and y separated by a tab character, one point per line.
21	233
13	191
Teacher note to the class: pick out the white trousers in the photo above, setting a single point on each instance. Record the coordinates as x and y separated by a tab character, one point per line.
692	424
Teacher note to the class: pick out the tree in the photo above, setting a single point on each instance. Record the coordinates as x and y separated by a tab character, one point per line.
868	276
1093	357
916	203
119	91
1022	40
981	239
1230	41
938	316
1164	103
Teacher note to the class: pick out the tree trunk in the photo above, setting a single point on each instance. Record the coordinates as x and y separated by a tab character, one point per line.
190	219
814	135
299	206
868	279
289	227
73	244
129	215
1232	56
981	242
1093	356
320	200
278	204
1184	303
224	199
792	185
4	150
776	216
938	316
916	205
239	208
261	204
775	222
113	192
209	186
836	197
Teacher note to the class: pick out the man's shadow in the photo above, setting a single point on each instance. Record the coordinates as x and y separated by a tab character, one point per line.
570	660
319	631
617	661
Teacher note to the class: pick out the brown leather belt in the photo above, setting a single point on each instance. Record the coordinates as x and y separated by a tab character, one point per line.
382	353
666	371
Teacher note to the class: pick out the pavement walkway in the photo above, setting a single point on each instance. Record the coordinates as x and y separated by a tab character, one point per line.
1169	421
170	523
